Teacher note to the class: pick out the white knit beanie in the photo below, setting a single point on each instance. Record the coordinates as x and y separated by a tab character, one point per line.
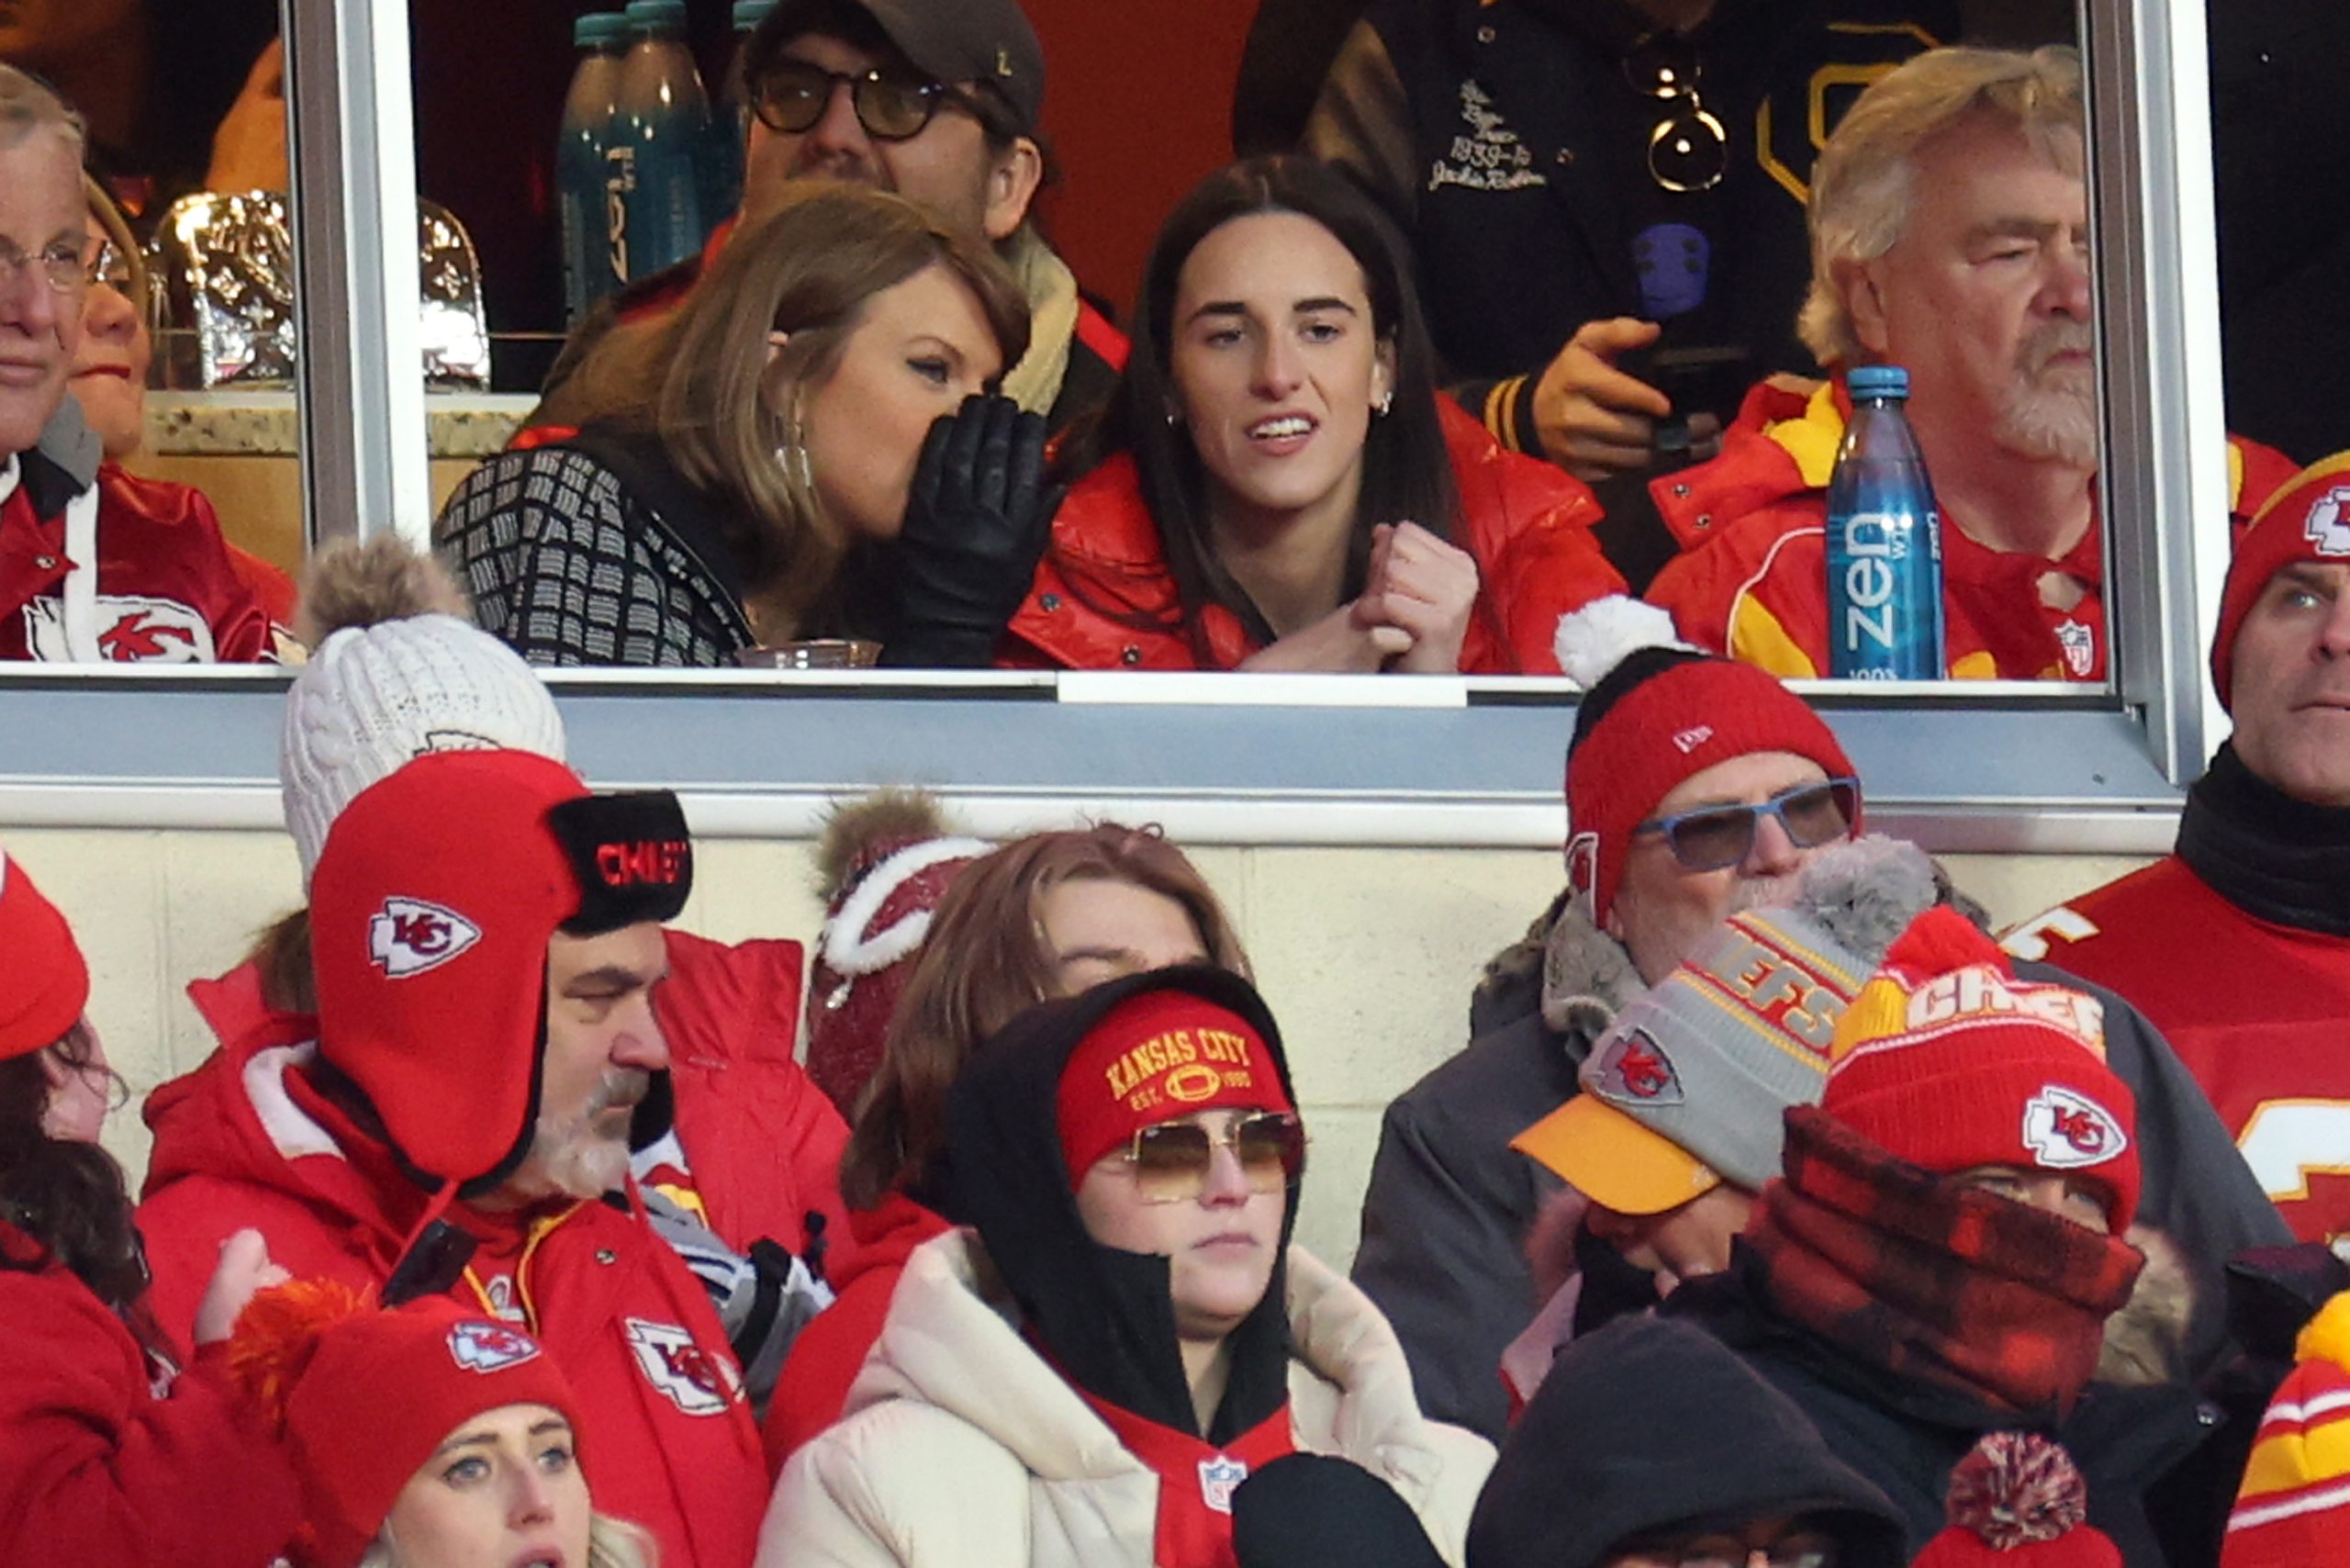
373	697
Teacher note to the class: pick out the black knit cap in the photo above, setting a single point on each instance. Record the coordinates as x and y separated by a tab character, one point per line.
1651	1425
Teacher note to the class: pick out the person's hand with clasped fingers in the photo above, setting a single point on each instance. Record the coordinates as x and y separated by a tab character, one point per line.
978	519
1425	585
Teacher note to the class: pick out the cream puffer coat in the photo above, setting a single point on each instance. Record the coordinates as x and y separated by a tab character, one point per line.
962	1449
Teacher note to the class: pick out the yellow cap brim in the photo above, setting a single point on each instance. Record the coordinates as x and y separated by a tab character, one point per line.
1612	1160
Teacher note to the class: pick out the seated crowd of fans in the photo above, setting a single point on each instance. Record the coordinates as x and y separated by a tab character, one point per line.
1773	1211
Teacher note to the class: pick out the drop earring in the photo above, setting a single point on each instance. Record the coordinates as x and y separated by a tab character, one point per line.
1386	403
793	458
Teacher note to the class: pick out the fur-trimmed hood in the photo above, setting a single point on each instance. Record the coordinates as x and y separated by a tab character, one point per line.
1575	973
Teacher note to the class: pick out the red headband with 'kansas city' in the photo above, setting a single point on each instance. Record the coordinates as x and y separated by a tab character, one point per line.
1156	1057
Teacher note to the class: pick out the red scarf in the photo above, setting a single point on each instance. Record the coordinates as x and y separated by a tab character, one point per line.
1943	1284
1195	1480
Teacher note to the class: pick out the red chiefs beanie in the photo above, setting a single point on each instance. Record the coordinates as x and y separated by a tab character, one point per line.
1947	1060
1155	1056
1658	717
361	1397
430	910
48	983
2308	520
2017	1500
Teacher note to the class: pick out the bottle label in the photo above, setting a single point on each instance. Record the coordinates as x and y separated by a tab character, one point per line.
1885	595
620	182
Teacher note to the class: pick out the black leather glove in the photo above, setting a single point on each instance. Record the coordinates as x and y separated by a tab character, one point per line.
978	519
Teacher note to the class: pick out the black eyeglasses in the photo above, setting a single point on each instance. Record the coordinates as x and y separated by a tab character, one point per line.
1711	837
1688	149
1172	1160
790	95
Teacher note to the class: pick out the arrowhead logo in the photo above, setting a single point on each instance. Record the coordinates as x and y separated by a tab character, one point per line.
408	936
2326	527
489	1347
2066	1130
1634	1070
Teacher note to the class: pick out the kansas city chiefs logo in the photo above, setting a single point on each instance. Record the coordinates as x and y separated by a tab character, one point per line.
408	936
2326	526
489	1347
1582	871
694	1381
2066	1130
1634	1070
129	629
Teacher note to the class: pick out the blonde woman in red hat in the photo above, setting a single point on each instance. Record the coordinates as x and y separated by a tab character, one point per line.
111	1452
423	1437
1123	1336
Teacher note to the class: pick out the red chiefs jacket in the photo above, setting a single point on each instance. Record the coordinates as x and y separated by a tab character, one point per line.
137	574
2255	1008
1104	598
1753	580
667	1441
813	1389
107	1458
762	1143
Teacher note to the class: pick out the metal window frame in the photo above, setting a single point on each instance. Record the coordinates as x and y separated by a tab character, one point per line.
1232	759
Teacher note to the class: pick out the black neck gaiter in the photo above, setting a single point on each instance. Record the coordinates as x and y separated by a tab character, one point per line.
2273	856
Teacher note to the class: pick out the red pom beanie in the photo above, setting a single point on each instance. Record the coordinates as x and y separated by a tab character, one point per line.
430	910
47	984
362	1396
2017	1501
1155	1056
2308	520
1947	1060
1658	718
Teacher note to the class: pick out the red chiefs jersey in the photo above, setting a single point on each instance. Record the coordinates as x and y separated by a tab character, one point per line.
2259	1013
141	574
1752	579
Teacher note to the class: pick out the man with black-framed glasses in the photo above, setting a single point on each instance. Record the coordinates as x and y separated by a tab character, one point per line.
937	100
1696	788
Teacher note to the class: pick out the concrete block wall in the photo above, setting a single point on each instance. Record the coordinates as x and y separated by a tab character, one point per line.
1366	955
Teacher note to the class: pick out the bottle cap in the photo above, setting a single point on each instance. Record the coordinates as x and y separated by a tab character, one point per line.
657	15
749	14
1868	380
598	26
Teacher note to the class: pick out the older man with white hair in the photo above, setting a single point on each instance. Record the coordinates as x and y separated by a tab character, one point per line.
1949	236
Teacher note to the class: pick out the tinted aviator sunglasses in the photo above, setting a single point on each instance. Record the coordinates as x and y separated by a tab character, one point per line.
891	105
1172	1160
1711	837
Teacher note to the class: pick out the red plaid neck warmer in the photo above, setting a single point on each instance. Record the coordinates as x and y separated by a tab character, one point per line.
1942	1285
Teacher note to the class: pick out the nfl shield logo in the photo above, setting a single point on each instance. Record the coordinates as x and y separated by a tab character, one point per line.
1218	1477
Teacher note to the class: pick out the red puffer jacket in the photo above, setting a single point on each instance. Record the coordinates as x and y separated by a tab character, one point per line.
1527	525
99	1465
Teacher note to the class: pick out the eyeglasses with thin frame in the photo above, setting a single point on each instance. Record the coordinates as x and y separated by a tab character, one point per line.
1805	1549
65	264
892	105
1710	837
1172	1160
1688	149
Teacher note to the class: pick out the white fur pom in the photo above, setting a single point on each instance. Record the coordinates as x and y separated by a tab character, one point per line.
1594	640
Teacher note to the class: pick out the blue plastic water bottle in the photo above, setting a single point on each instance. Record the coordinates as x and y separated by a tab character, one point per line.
587	268
656	158
731	126
1884	541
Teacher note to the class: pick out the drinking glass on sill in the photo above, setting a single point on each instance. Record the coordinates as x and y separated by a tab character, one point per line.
819	653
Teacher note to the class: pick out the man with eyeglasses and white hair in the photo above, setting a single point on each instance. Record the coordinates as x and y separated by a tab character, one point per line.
1949	236
94	568
1697	787
1606	200
936	100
